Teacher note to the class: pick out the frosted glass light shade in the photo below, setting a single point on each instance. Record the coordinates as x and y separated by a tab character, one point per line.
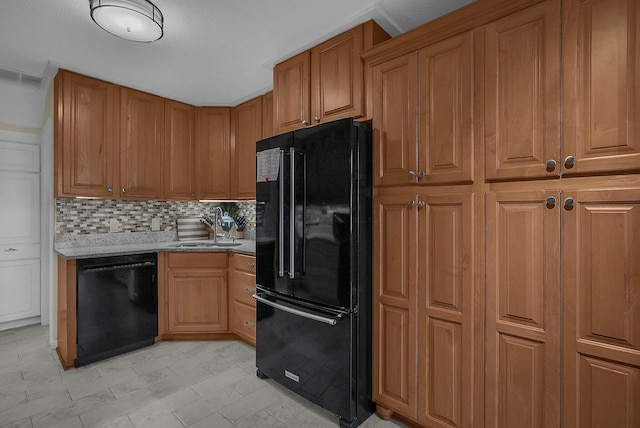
137	20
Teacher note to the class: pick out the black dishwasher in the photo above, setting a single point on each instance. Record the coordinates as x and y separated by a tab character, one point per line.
117	305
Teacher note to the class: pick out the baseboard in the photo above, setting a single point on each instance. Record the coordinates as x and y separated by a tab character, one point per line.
19	323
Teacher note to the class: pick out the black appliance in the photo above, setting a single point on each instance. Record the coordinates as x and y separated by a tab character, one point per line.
313	272
117	305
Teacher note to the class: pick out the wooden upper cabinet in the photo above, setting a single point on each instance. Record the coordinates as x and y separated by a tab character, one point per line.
601	308
247	130
291	93
141	141
601	86
446	111
213	152
522	368
267	115
522	94
86	136
395	109
325	83
179	151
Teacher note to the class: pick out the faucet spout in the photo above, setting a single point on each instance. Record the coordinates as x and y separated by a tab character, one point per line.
217	221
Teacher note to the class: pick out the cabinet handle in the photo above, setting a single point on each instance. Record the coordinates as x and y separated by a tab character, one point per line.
412	203
10	250
305	123
316	119
412	174
249	323
249	264
569	162
568	204
421	174
551	202
193	193
421	204
551	165
110	189
250	290
124	190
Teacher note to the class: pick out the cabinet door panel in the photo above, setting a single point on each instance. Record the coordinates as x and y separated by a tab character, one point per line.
86	136
247	129
20	289
446	103
522	94
445	311
601	308
395	134
197	301
213	143
179	146
336	77
394	303
522	309
141	145
601	85
291	95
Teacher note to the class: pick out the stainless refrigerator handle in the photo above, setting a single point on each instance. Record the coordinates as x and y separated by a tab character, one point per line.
281	218
292	214
326	320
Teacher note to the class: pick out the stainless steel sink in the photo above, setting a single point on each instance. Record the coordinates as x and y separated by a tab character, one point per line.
227	244
204	244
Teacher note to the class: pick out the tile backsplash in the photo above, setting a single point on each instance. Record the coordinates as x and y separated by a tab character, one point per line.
95	216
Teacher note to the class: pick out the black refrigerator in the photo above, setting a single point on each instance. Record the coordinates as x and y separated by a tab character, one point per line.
313	258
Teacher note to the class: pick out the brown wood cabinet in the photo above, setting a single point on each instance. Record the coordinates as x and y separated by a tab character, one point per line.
213	148
267	115
601	308
86	136
600	86
523	309
246	130
324	83
179	151
522	94
423	115
194	293
141	141
423	305
243	286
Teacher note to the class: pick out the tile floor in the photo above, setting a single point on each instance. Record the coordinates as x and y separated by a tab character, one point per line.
167	385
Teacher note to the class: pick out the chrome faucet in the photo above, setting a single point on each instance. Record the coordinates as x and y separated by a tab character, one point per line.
217	221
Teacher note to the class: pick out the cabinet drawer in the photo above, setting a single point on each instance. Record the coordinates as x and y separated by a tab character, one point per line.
197	260
243	263
244	286
244	321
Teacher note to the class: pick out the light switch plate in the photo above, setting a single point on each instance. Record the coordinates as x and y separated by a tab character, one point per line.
155	224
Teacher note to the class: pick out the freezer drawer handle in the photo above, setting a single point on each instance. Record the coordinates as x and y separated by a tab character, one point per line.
326	320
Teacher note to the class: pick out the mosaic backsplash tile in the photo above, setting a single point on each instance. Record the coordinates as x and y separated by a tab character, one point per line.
95	216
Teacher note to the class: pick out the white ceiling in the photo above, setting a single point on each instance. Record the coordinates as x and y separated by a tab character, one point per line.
213	52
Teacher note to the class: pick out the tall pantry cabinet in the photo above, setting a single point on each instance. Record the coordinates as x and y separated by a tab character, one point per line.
507	216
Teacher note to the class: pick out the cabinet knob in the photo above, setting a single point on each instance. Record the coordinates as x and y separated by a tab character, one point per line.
421	174
551	165
569	162
201	193
250	290
551	202
412	174
412	203
110	189
305	123
421	204
249	323
316	119
568	204
249	264
124	190
193	193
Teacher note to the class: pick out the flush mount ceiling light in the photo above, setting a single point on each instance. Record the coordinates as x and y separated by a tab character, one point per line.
137	20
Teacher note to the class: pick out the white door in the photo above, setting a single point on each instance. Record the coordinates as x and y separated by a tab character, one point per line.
19	231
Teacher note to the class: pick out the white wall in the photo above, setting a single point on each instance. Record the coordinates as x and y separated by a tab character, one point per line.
21	106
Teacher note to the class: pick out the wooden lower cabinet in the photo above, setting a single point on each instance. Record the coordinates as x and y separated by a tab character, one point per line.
243	306
195	293
423	357
562	307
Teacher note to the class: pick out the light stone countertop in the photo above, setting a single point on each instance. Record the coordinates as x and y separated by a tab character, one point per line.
116	244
